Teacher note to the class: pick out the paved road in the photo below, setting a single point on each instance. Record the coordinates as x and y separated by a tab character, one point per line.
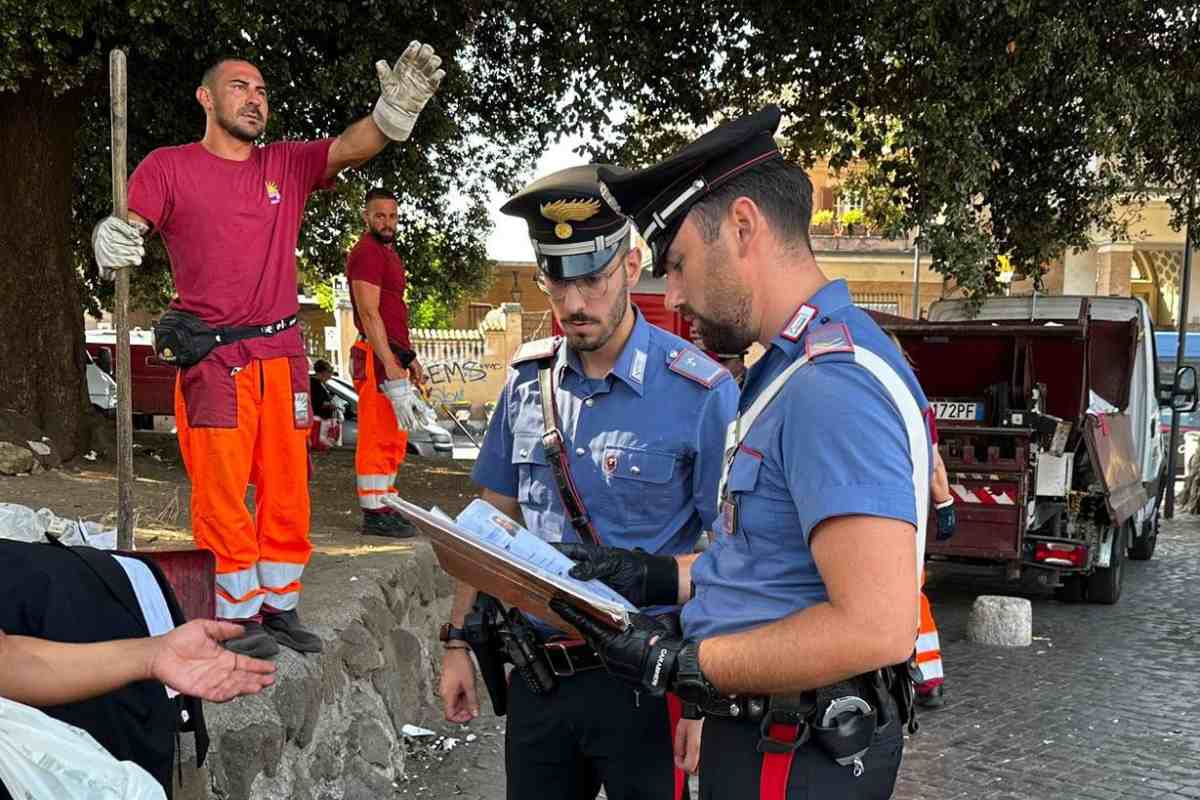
1104	705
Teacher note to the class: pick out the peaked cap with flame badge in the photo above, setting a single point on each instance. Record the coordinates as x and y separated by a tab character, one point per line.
573	230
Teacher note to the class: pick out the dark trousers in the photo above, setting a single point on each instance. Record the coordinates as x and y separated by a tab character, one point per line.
592	730
730	766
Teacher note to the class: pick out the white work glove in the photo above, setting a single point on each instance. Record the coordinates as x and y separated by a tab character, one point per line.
405	89
400	393
117	244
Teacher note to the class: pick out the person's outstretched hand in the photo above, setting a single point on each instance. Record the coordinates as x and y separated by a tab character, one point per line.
191	660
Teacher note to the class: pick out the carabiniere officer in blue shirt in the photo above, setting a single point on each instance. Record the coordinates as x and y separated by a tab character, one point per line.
642	416
800	616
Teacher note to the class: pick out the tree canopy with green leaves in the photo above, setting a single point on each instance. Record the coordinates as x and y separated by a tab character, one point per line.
993	127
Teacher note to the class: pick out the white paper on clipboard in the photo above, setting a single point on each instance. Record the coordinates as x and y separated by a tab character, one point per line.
493	553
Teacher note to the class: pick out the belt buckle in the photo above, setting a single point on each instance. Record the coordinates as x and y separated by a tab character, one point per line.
560	648
769	744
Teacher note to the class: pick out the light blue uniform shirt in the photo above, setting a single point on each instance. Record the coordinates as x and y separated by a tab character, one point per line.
832	443
645	443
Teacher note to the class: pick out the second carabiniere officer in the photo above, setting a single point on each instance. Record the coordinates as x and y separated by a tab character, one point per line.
635	418
805	605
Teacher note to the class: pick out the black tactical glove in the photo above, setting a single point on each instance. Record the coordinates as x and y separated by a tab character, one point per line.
641	578
644	653
947	521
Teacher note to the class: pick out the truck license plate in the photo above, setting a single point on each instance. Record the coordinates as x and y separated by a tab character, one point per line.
957	411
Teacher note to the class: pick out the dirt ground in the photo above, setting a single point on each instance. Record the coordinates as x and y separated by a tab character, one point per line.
88	490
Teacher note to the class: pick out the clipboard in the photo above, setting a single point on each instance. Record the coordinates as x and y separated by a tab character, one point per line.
493	570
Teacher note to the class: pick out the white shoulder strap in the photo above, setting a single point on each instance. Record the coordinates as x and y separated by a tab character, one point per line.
906	404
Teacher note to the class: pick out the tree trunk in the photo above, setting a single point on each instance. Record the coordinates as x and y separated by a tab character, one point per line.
41	337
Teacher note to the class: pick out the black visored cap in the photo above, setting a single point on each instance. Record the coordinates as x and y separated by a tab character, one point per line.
659	197
574	232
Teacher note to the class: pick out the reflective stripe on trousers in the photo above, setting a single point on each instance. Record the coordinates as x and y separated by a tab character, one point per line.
239	595
281	583
929	651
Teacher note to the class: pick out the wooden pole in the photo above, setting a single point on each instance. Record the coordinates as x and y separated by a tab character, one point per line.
117	85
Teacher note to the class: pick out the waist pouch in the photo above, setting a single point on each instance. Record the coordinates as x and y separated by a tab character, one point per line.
183	340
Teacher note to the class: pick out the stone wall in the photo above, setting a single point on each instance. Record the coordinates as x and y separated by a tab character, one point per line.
330	727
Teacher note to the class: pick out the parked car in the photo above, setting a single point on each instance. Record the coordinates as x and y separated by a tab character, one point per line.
152	380
102	389
1188	422
430	439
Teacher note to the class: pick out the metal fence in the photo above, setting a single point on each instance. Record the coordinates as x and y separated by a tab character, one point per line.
432	345
883	302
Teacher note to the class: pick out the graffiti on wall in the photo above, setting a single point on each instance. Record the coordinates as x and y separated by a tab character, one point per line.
452	382
449	372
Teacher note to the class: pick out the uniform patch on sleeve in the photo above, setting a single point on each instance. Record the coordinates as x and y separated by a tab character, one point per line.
799	321
536	350
833	337
699	367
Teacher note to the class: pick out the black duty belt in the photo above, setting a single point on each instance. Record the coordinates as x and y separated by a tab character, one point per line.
569	657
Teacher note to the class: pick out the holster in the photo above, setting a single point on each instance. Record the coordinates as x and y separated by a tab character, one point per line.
525	652
482	635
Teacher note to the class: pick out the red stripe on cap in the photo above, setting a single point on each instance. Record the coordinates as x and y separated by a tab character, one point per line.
730	173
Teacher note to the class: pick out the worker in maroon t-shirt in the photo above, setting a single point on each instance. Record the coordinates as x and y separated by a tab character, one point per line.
381	360
229	212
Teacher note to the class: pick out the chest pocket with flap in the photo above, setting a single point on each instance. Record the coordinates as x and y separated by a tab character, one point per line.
646	484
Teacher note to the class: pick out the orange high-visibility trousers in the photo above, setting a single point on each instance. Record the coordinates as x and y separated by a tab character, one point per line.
929	649
382	444
260	559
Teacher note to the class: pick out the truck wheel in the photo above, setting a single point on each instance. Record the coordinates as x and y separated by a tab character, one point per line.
1104	584
1072	589
1142	548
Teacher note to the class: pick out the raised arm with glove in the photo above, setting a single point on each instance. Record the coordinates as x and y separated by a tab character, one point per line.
405	89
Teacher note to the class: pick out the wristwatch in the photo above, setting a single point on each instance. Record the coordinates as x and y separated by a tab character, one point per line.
690	684
448	633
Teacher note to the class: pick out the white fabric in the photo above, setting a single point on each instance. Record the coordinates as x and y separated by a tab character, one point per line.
403	399
149	596
405	89
41	757
910	413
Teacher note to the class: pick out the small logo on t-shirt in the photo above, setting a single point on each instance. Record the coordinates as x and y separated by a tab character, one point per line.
273	193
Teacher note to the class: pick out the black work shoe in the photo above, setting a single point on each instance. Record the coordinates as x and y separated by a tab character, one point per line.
934	698
285	627
255	642
381	523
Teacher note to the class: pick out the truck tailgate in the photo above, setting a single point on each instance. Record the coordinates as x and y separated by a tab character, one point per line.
989	509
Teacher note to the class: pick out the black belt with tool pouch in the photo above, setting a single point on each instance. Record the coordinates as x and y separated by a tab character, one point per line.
840	719
182	339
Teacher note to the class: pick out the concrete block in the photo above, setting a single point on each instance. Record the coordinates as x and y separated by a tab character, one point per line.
1002	621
